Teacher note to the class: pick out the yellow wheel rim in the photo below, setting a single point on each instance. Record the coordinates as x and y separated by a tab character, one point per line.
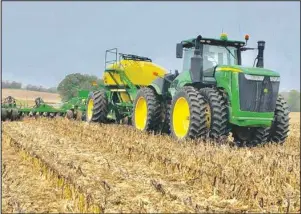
208	116
141	113
181	117
90	109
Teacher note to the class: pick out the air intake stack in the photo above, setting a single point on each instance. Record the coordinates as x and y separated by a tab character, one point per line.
196	68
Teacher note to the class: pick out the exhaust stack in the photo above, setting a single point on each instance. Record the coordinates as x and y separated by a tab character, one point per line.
260	61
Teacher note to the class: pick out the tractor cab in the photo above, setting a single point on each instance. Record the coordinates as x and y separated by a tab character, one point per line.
213	53
205	56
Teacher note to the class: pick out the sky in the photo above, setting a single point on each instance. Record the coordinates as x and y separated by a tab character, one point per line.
42	42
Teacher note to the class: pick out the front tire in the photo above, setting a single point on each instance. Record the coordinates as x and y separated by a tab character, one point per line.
147	111
280	125
249	136
187	119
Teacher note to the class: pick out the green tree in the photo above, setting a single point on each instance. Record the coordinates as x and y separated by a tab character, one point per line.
70	85
293	100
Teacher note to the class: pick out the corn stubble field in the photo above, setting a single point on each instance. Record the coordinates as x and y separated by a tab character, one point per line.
56	165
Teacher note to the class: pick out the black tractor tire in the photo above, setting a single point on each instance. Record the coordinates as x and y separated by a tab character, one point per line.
217	115
197	122
4	114
100	107
249	136
69	114
153	115
280	125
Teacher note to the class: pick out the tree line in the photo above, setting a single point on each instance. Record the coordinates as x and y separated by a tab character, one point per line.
18	85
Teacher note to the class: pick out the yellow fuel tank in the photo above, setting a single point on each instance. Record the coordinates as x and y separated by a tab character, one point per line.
140	73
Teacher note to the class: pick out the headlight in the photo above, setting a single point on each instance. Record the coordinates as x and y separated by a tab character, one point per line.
275	79
253	77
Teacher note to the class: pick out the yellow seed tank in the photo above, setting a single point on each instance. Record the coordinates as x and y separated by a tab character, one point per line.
140	73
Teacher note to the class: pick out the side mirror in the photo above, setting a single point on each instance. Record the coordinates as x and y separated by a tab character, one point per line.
179	51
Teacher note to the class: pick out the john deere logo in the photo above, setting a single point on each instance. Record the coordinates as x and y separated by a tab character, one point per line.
265	90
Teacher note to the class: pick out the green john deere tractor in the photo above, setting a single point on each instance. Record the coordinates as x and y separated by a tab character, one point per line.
212	96
215	94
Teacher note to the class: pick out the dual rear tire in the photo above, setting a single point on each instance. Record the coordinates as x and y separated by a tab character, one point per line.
188	117
191	114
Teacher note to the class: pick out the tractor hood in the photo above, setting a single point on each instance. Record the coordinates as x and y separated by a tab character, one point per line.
248	70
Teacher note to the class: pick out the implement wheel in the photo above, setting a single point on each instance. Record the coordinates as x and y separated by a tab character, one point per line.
280	126
216	112
187	118
97	107
147	111
249	136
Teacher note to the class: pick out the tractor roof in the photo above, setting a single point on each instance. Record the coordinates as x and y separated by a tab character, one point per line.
211	41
